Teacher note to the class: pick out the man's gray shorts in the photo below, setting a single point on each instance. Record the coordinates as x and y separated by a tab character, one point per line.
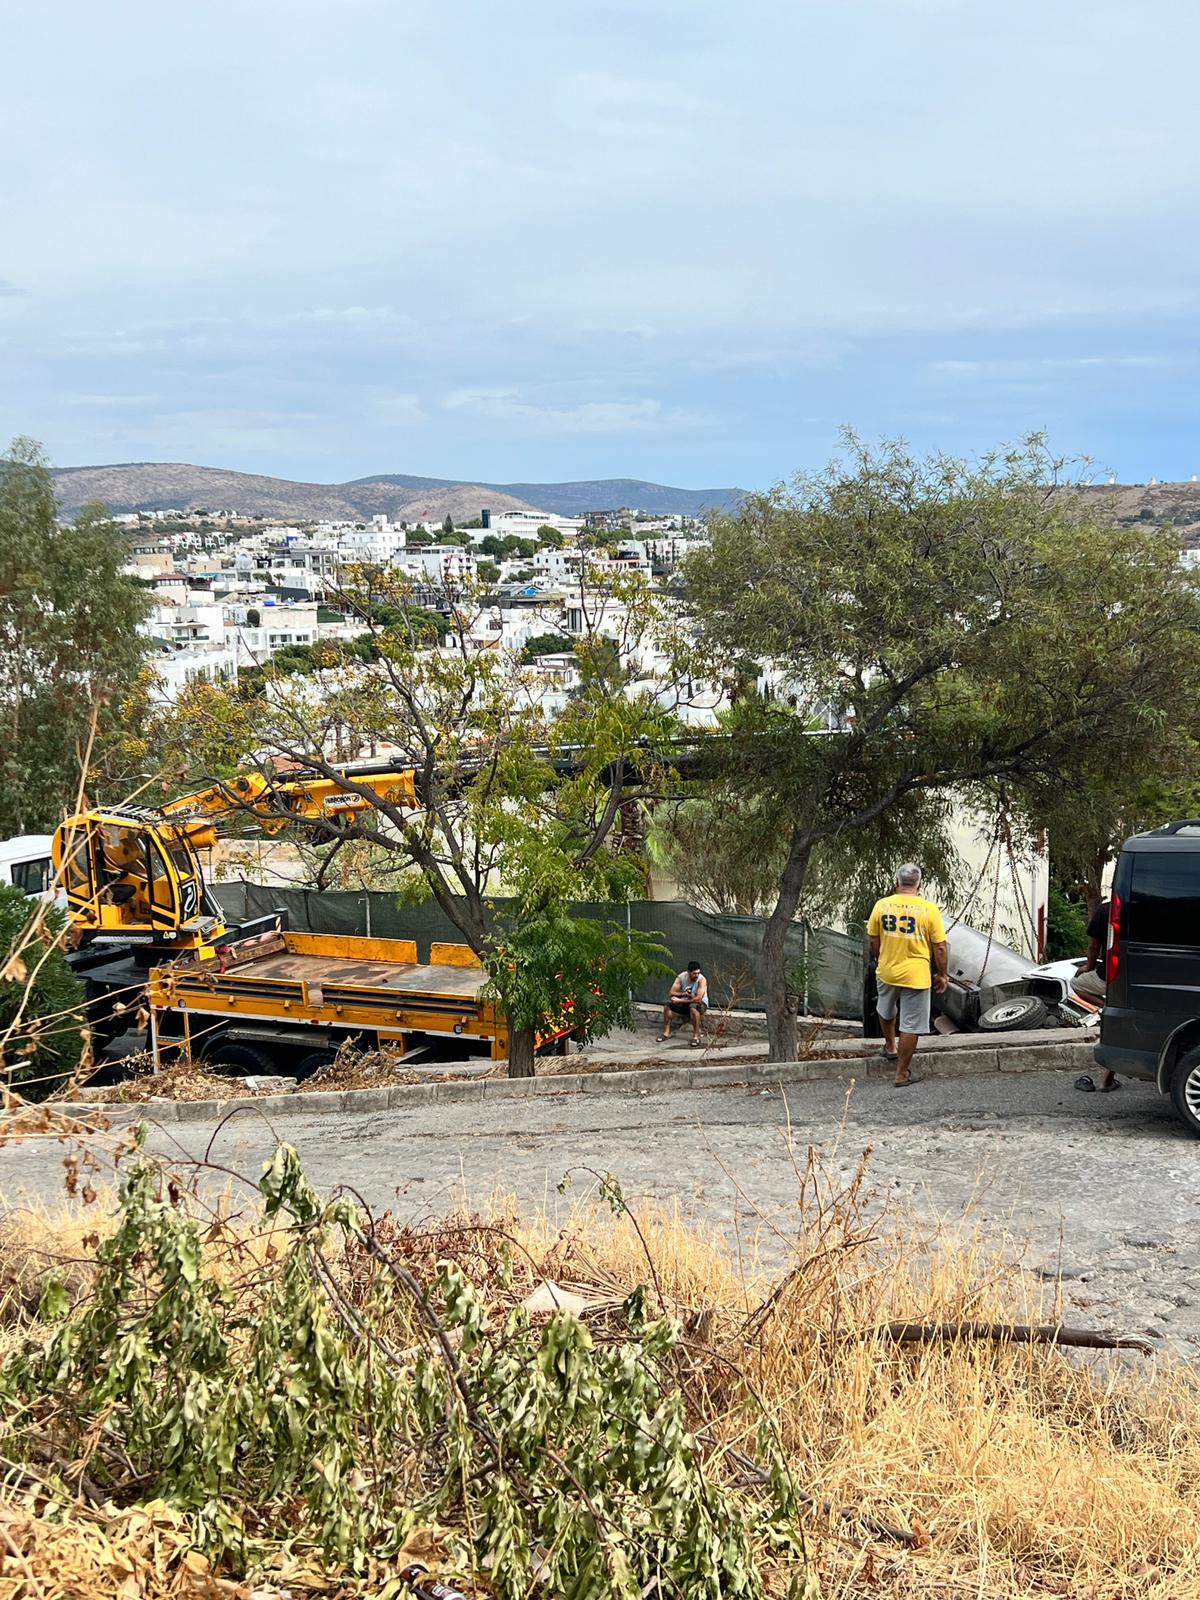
912	1004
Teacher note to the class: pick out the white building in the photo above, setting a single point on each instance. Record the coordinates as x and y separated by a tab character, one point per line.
437	563
176	667
525	525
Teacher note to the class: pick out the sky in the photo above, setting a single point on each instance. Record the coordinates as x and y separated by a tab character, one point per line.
684	240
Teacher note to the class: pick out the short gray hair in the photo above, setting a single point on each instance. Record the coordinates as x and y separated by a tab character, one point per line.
909	874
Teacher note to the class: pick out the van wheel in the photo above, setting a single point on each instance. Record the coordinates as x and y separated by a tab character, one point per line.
239	1060
1185	1089
1022	1011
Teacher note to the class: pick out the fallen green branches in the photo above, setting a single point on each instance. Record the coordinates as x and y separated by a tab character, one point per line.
305	1387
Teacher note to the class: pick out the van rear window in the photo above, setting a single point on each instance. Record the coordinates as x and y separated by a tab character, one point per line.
1164	907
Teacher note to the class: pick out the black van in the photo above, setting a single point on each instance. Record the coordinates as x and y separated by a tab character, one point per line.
1150	1025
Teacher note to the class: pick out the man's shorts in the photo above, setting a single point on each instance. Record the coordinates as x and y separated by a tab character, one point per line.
682	1008
912	1004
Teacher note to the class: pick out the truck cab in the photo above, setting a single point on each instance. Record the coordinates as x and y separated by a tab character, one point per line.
26	864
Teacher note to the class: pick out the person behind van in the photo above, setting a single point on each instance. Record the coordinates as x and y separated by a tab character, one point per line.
688	998
906	934
1089	980
1090	983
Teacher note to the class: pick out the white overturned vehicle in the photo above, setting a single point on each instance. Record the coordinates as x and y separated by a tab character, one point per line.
995	989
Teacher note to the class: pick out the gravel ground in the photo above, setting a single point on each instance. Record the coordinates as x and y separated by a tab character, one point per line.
1102	1189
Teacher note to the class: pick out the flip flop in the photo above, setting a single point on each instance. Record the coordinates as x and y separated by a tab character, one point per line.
1085	1085
1107	1088
696	1044
664	1038
905	1083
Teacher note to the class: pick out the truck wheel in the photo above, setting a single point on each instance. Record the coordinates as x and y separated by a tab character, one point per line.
308	1066
1185	1090
1022	1011
238	1060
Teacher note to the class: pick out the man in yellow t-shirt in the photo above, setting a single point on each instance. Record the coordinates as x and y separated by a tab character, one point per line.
907	935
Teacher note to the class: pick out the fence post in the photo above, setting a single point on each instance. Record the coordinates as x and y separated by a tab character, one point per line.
628	942
367	906
804	954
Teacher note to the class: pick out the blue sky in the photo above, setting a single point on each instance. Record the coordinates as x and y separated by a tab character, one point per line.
666	238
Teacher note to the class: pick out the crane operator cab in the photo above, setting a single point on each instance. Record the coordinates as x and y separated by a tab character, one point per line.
131	876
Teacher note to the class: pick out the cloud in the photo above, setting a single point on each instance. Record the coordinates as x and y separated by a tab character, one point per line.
1031	366
401	410
594	416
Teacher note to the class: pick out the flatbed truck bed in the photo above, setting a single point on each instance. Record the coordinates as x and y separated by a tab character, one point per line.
314	992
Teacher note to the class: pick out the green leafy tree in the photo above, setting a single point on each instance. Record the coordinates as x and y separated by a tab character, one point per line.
41	1018
487	572
932	614
253	618
72	688
547	644
549	538
448	526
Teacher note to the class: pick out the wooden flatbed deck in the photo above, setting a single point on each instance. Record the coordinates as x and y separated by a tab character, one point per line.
400	978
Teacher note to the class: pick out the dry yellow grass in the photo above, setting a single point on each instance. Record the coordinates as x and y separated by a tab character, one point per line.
1016	1470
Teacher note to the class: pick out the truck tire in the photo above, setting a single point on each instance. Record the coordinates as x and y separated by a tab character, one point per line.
238	1060
1185	1090
1022	1011
315	1061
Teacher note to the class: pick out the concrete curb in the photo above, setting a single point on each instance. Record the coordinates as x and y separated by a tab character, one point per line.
766	1075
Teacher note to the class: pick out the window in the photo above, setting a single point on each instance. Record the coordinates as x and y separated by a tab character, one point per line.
32	877
1164	907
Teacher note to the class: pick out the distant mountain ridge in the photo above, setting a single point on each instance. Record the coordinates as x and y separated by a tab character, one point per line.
160	486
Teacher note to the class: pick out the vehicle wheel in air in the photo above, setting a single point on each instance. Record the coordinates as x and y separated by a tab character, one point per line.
1185	1090
1022	1011
239	1060
315	1061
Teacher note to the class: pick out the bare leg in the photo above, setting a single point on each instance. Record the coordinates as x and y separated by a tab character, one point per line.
696	1014
908	1049
888	1024
666	1026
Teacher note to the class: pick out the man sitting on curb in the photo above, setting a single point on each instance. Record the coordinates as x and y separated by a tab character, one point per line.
905	932
688	998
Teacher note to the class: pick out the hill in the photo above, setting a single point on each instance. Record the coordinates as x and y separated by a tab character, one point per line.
155	486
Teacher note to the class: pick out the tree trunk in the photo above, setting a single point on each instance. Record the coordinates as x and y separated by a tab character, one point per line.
781	1012
520	1053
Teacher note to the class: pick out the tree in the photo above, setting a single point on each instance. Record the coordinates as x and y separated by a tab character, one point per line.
951	624
547	644
71	658
417	537
549	538
448	526
487	572
41	1000
253	617
519	813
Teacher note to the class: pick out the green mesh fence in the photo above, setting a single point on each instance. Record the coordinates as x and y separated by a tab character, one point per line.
828	965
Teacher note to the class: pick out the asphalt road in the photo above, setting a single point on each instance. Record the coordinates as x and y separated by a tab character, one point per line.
1102	1188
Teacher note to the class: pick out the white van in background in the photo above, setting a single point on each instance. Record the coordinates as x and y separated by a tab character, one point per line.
25	862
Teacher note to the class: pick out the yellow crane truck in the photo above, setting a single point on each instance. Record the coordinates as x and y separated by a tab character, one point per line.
256	997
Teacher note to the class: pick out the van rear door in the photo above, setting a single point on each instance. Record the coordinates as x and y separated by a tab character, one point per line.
1157	980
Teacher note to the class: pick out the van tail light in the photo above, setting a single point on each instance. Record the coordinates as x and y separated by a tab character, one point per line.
1112	964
